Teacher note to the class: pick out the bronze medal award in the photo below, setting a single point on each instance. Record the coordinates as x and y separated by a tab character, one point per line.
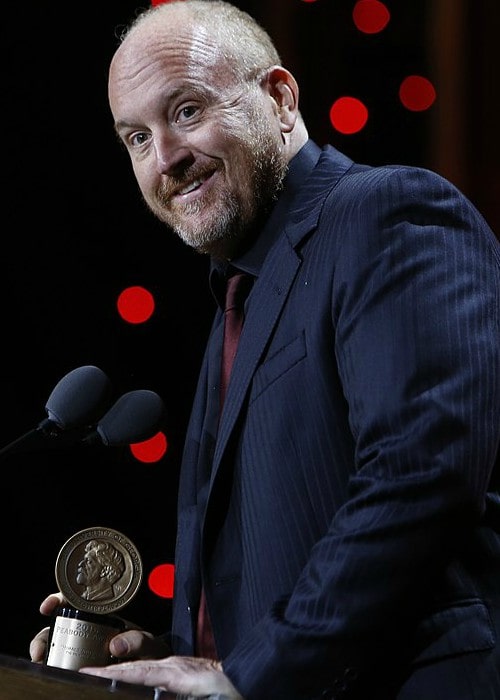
98	571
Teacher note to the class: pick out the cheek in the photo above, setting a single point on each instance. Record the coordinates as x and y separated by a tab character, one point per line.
225	134
241	169
147	178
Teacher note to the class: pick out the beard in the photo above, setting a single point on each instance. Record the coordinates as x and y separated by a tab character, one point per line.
221	222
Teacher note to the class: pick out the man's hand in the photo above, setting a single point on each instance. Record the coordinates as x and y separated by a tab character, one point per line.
38	645
134	643
185	675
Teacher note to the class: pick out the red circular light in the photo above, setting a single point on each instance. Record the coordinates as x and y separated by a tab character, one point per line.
151	450
370	16
417	93
135	304
348	115
161	580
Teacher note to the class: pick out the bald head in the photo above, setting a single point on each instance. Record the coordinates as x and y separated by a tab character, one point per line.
245	45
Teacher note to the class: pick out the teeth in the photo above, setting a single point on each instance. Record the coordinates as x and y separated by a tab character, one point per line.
192	186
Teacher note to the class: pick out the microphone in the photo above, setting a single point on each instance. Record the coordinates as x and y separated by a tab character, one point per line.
79	398
136	416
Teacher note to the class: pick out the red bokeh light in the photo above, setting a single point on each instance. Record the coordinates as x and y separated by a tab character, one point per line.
370	16
135	304
161	580
417	93
151	450
348	115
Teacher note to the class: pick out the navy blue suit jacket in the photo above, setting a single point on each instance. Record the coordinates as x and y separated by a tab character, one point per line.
345	520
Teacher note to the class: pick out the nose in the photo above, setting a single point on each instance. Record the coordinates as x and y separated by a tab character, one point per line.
172	154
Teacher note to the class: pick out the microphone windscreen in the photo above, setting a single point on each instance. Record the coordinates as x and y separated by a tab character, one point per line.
79	398
136	416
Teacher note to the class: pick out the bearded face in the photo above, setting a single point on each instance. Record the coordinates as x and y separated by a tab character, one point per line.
244	186
207	142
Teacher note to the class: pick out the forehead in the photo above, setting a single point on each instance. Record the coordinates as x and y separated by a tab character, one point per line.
156	53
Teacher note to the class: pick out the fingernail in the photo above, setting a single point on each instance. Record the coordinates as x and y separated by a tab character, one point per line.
118	647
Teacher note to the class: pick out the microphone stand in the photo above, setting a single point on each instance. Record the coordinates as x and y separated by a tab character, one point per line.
37	438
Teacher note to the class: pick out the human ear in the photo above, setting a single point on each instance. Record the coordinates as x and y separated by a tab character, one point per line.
284	92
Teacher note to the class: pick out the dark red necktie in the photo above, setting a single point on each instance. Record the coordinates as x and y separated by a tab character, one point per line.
237	289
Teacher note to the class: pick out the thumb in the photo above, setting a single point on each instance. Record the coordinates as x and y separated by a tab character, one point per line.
52	602
137	644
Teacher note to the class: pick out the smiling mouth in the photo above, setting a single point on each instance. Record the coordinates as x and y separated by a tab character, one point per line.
192	186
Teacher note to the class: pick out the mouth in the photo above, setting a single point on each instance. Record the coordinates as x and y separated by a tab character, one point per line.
193	188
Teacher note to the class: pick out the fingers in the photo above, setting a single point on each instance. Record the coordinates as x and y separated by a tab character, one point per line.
185	675
51	603
137	644
38	645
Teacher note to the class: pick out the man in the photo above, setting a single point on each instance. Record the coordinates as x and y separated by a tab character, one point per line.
339	521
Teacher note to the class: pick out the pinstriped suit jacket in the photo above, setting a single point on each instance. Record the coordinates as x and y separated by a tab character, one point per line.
351	533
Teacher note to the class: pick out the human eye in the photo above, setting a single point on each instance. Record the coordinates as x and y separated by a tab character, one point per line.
131	138
186	112
137	139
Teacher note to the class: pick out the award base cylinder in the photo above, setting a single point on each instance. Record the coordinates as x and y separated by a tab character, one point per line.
78	639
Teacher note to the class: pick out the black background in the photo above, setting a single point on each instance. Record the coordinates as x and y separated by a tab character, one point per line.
75	233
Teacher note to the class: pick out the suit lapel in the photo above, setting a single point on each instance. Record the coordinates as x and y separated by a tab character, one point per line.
273	285
268	296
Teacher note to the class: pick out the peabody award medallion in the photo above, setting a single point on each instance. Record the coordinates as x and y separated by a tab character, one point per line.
98	571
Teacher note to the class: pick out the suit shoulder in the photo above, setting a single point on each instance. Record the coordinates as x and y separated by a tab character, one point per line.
403	188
